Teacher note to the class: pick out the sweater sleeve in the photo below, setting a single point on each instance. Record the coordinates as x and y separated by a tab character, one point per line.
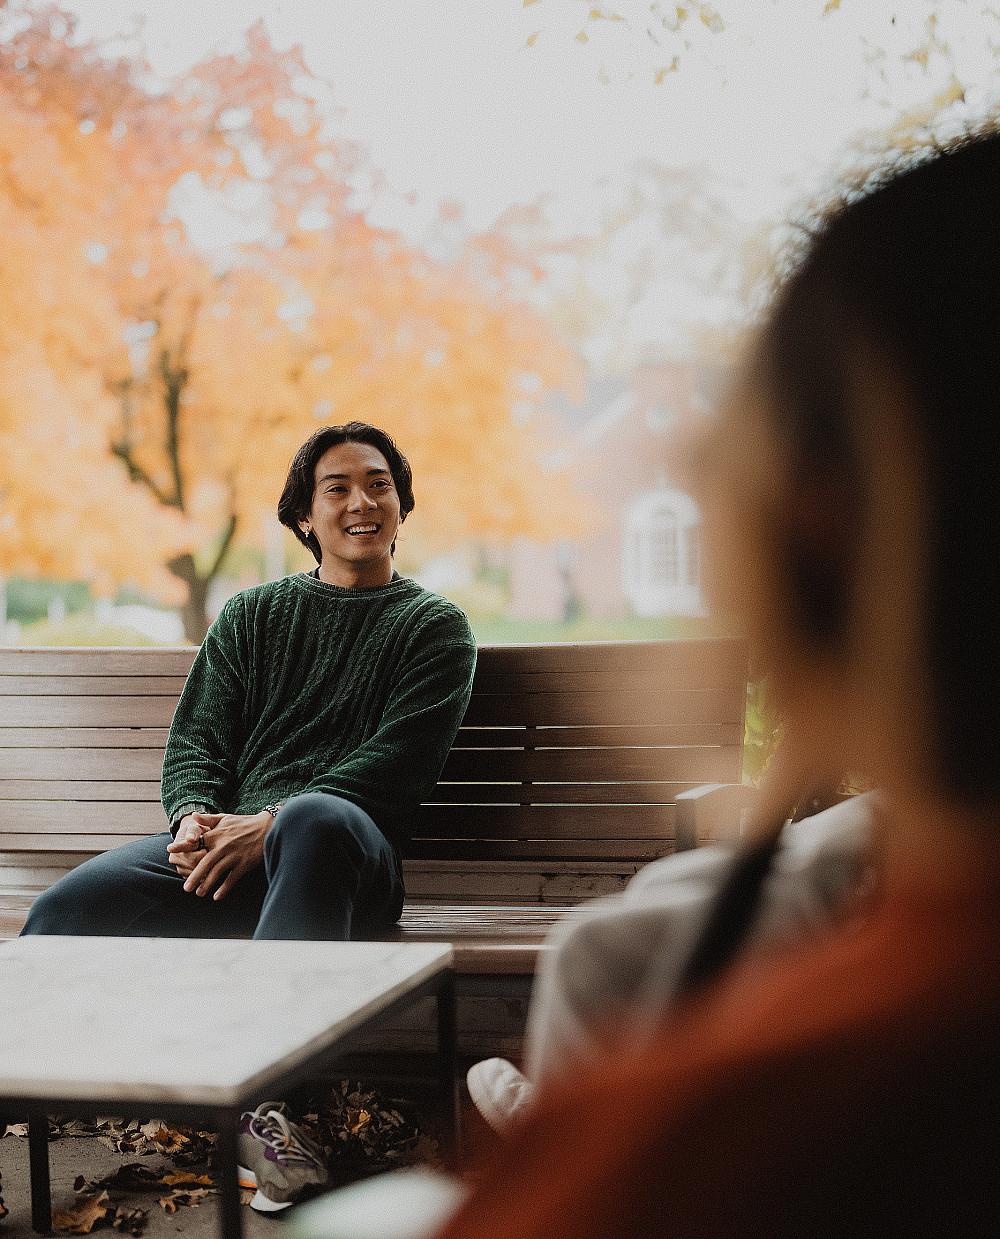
206	735
391	772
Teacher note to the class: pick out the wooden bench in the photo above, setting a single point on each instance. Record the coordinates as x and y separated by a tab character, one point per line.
568	774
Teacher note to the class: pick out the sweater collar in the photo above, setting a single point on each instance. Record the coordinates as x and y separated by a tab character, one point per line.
312	582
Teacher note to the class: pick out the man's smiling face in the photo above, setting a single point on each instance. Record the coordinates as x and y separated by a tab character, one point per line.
354	514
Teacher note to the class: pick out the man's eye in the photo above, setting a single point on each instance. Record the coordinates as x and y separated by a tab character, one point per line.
380	484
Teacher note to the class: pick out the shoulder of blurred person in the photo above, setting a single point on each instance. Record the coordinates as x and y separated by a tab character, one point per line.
846	1089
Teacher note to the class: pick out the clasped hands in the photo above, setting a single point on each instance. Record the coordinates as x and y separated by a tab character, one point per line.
233	845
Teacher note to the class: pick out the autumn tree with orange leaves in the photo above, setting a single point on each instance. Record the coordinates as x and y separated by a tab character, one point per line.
152	391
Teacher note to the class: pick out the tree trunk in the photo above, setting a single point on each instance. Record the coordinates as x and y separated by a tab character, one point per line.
194	612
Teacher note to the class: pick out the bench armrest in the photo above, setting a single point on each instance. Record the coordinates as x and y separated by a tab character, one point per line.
711	813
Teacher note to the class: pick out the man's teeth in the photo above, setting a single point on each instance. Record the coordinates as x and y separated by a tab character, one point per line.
362	528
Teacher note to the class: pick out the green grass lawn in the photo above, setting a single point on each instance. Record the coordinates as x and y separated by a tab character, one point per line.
81	630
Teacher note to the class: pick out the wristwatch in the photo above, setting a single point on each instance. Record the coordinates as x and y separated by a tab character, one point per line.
272	809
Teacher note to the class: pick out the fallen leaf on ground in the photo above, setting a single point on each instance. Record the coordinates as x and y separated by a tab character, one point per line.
84	1215
353	1124
192	1197
16	1129
167	1139
131	1221
132	1177
179	1177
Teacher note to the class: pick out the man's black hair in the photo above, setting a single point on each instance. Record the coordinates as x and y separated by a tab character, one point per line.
296	498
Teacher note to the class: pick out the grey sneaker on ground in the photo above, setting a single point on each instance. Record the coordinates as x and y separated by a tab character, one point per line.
277	1158
502	1094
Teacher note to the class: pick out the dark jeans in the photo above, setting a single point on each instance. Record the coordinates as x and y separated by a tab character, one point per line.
328	874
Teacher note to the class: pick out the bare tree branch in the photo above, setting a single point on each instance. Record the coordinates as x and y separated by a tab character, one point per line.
227	540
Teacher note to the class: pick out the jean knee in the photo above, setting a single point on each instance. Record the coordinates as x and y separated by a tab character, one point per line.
320	821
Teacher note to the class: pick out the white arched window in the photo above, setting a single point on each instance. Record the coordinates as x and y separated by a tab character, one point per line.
661	562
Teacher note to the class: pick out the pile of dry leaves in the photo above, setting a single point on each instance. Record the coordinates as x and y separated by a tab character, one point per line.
360	1131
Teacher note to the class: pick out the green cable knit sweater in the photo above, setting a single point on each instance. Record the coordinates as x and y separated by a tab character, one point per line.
301	686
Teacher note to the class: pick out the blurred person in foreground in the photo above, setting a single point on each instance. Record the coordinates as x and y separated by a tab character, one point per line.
851	499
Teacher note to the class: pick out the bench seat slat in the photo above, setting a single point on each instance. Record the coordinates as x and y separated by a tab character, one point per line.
87	844
622	736
696	658
706	765
98	660
558	793
79	789
444	794
87	738
91	686
521	683
96	711
543	850
89	764
603	708
71	817
545	821
683	706
111	817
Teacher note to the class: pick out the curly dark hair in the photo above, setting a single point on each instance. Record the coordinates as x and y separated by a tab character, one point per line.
297	495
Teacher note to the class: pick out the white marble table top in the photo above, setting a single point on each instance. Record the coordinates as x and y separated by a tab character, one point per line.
201	1021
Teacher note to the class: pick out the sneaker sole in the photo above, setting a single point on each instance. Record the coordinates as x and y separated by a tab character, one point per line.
260	1203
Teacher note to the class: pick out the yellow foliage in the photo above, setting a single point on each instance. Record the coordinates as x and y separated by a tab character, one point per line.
150	391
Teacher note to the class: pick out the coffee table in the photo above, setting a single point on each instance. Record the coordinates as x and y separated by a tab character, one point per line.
196	1029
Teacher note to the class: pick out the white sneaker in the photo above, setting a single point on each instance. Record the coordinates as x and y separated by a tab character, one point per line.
501	1093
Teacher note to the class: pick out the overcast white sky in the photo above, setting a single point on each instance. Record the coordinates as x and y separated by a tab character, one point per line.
451	102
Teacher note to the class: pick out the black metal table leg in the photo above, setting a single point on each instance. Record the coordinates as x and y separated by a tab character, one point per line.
225	1169
447	1032
38	1155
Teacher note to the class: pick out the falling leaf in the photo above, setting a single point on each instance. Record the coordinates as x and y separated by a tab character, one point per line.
84	1215
532	39
919	55
583	37
712	19
662	72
